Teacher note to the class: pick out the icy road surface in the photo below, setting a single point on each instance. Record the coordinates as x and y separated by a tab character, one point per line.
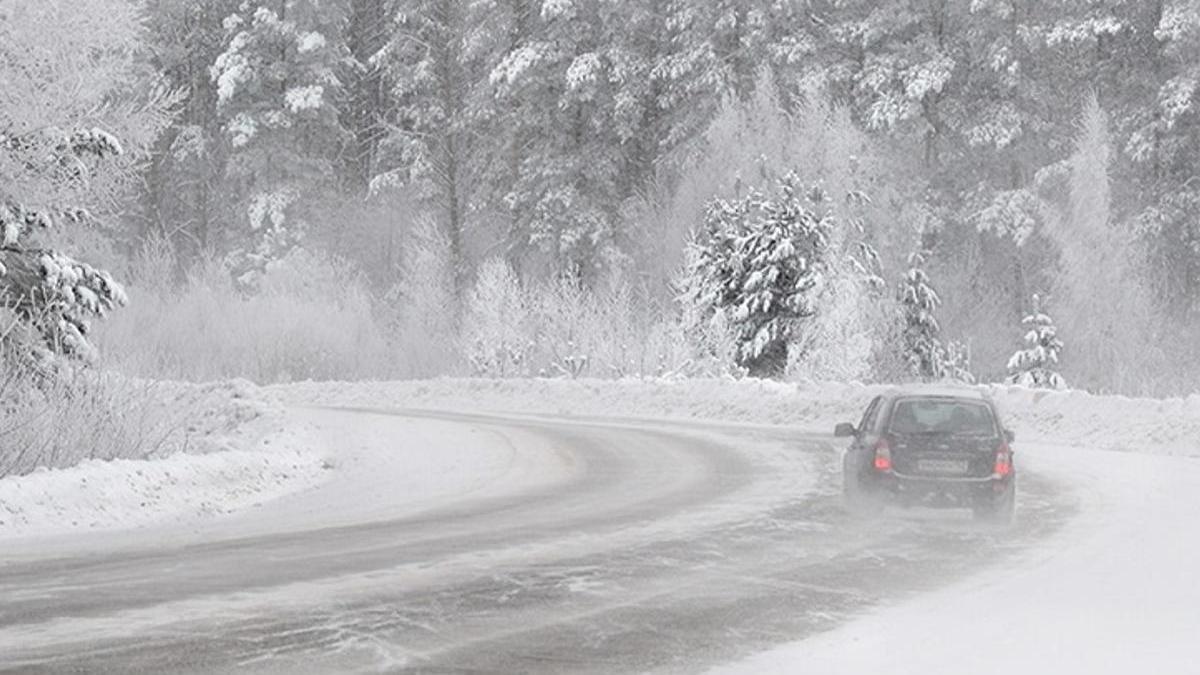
457	543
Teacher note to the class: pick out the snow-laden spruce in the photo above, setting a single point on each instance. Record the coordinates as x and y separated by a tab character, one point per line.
1036	365
51	294
759	266
276	82
922	346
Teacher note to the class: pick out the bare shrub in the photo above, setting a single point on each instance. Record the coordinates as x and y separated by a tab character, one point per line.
561	328
58	416
496	338
422	310
311	319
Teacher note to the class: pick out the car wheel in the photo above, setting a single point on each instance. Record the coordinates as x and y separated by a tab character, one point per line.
999	510
858	500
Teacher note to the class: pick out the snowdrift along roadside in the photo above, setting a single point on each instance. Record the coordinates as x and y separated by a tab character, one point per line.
227	449
242	449
1169	426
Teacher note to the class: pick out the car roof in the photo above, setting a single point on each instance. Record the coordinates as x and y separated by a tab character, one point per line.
941	390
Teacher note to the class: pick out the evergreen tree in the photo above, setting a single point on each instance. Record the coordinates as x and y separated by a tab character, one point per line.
440	146
1037	364
277	83
62	166
759	267
50	292
367	106
182	199
922	346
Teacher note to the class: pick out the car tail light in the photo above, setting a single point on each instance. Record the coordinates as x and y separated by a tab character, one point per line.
883	456
1003	465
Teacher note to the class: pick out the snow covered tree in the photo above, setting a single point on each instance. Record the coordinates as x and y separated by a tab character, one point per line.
759	266
367	106
67	96
558	88
182	197
440	145
918	299
50	292
956	362
1037	364
277	82
1104	303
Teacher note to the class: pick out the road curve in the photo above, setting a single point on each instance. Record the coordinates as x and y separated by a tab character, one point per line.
667	547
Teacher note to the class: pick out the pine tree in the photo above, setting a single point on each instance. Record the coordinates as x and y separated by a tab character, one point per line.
1036	365
922	345
277	83
440	146
61	163
759	266
181	198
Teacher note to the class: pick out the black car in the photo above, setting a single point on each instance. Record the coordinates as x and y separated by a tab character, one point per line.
930	447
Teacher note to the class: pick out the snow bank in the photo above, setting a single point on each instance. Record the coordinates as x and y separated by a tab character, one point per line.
1169	426
126	493
226	449
239	448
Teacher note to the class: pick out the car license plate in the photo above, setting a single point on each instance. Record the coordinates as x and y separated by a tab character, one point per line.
943	466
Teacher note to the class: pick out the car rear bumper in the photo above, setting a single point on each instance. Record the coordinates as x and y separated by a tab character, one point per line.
941	491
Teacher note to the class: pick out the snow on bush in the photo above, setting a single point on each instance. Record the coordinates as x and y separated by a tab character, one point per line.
116	453
54	417
562	329
422	310
495	331
310	318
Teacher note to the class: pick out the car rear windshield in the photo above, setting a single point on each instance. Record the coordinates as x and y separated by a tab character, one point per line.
942	416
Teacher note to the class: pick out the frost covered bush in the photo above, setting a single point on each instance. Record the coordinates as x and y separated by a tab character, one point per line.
59	416
422	311
608	332
495	338
840	341
562	329
956	362
310	318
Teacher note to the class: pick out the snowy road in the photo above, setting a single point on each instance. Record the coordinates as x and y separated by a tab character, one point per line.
543	545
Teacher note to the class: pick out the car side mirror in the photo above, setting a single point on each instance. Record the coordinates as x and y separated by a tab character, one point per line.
1010	435
844	429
